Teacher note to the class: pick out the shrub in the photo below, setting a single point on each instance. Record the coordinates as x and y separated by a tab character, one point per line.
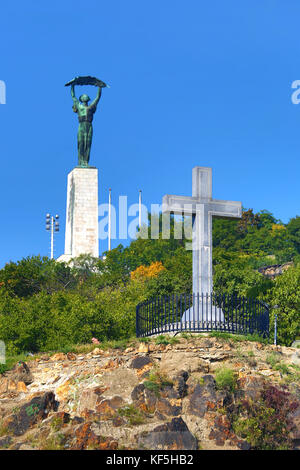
46	322
156	381
226	379
133	415
266	424
286	294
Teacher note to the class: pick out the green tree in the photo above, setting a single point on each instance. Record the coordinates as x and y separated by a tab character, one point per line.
286	294
293	228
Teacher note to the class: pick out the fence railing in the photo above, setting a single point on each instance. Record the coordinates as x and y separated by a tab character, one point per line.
202	312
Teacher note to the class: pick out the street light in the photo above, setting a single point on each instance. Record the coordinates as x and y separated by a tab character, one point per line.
275	307
52	225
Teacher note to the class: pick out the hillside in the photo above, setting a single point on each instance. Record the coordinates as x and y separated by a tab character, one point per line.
46	305
188	392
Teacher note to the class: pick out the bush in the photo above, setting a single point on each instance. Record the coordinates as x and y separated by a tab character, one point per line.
134	415
50	322
226	379
156	381
266	424
286	294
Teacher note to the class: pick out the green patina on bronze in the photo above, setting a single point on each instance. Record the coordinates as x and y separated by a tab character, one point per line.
85	114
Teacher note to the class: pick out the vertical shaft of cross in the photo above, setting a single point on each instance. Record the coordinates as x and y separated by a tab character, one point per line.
202	240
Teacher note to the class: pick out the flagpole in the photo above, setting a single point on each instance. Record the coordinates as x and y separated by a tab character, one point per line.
140	209
109	220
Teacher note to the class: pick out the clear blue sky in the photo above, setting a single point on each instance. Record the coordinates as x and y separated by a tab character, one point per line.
192	83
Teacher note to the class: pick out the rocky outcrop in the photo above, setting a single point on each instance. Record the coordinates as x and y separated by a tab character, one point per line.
148	396
275	270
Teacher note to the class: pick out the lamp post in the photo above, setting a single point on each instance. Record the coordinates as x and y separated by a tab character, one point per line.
52	225
275	324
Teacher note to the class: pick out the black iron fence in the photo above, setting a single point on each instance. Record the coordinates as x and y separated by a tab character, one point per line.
202	312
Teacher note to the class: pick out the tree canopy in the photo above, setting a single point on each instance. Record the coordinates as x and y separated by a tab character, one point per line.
45	304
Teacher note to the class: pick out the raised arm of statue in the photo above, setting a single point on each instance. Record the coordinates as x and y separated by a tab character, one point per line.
96	100
75	100
73	94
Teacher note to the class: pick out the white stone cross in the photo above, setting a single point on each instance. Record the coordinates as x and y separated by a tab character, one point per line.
202	207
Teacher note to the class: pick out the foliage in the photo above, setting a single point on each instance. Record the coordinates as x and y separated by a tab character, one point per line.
50	322
274	361
134	415
33	274
266	423
226	379
147	272
285	293
162	339
293	229
45	305
156	381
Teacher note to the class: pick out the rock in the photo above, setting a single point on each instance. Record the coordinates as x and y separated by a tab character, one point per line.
140	361
221	430
164	407
112	364
174	435
118	421
59	419
295	358
3	385
44	357
138	392
85	438
150	403
204	397
21	387
143	348
30	413
251	386
268	372
89	398
121	381
180	385
142	364
71	356
63	390
21	373
203	366
216	356
107	407
58	357
207	343
97	352
7	385
144	399
5	442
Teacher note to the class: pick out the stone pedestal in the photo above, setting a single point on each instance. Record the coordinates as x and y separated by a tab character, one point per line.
81	236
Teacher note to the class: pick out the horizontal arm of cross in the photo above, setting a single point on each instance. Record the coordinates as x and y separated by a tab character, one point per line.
179	204
231	209
191	205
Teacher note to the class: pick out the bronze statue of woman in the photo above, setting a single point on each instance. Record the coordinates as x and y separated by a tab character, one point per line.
85	117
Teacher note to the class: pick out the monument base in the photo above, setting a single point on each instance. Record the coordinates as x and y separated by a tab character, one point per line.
81	235
203	312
